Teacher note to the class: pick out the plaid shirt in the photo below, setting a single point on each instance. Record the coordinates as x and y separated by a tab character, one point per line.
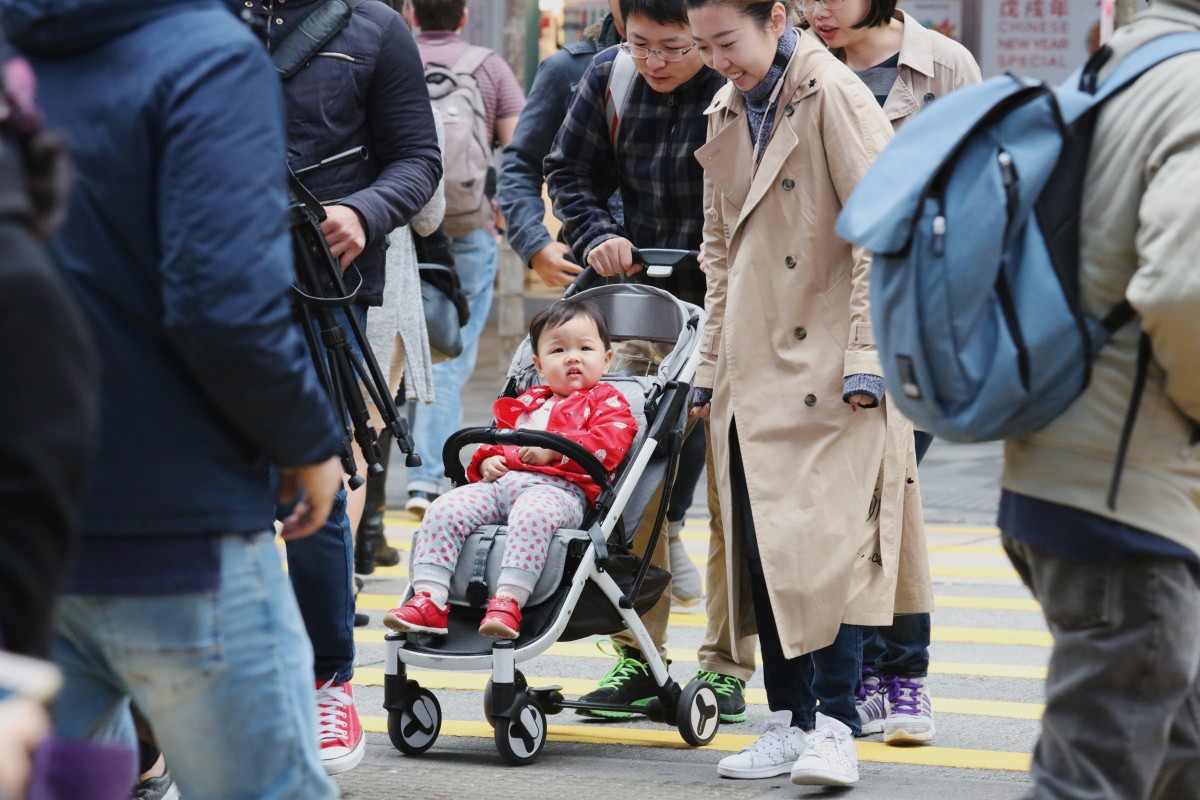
653	166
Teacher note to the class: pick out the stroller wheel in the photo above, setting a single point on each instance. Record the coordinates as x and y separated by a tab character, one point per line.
520	738
519	685
415	727
697	714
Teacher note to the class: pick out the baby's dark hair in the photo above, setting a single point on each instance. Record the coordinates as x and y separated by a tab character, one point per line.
563	312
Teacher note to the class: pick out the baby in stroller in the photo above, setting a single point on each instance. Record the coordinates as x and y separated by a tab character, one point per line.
534	489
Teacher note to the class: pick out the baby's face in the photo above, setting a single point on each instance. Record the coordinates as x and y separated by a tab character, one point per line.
572	357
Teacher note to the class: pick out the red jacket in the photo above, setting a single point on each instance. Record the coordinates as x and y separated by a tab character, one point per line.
598	419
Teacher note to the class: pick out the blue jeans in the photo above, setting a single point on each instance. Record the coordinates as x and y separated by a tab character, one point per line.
321	567
829	675
223	677
475	256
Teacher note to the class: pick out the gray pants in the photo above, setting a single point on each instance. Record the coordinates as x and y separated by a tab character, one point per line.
1122	717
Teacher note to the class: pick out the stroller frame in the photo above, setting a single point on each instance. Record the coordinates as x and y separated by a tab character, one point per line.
517	711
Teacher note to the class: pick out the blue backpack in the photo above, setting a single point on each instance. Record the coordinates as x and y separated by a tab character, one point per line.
972	214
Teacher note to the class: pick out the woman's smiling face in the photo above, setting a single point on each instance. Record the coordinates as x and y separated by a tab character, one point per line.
736	45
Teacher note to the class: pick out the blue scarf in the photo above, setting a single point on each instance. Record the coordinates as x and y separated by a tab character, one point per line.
760	112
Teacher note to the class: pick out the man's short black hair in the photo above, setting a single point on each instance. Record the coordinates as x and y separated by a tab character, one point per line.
439	15
664	12
562	312
879	12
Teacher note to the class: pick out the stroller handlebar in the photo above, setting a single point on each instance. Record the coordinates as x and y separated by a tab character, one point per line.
521	438
659	262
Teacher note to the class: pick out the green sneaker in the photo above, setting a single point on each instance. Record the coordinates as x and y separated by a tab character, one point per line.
629	683
731	694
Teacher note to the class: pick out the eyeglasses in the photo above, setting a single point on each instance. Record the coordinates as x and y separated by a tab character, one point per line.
830	5
665	53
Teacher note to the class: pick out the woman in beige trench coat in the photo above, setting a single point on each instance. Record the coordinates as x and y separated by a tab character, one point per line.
824	489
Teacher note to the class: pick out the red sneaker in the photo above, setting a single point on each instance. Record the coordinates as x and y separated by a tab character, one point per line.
502	620
418	615
339	733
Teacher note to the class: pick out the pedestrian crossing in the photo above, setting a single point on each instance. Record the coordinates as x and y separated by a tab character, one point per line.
989	655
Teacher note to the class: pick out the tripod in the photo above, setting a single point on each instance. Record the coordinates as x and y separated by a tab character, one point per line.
321	289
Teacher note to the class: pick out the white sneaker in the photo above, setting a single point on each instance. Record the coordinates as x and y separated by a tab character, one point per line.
830	758
772	754
910	713
686	589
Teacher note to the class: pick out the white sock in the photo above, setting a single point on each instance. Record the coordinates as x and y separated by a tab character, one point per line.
516	593
438	592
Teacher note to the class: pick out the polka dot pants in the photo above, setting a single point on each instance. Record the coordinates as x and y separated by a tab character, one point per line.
534	506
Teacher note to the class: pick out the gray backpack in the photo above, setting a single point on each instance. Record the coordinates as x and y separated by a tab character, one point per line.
468	155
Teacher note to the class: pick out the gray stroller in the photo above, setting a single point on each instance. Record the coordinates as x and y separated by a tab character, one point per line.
592	583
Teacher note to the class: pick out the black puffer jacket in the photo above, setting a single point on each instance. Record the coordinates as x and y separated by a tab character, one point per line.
366	86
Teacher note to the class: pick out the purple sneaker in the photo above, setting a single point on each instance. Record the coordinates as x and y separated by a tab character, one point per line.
910	712
871	703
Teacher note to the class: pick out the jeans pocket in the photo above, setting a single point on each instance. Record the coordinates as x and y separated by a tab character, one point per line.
167	643
1075	596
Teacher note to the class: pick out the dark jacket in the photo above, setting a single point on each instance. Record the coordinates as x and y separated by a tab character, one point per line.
48	409
366	86
520	186
177	248
653	166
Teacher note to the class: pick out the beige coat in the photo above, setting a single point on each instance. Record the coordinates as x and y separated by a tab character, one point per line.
833	492
1141	240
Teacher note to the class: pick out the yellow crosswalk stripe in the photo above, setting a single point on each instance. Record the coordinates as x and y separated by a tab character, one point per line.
572	687
939	633
937	570
731	742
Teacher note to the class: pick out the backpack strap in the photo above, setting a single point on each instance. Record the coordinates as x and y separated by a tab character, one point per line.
1145	351
616	97
314	32
471	60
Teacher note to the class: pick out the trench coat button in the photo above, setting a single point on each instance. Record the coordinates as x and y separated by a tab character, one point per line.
789	262
789	184
802	335
789	110
929	97
810	400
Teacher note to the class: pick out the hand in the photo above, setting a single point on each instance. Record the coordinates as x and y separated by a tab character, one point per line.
552	266
700	258
613	257
344	232
703	412
864	401
23	726
319	483
492	467
538	456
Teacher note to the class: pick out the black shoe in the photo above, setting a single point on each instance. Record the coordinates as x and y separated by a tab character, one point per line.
361	620
372	550
731	694
628	683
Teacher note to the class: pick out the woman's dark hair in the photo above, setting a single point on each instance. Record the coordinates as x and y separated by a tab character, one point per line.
664	12
563	312
439	15
879	12
757	10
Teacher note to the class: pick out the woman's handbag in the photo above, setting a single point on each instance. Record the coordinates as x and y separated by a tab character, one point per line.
446	311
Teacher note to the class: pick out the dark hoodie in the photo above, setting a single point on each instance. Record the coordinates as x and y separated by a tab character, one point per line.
177	248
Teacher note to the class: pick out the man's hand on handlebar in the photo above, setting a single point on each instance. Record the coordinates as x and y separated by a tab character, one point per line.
613	257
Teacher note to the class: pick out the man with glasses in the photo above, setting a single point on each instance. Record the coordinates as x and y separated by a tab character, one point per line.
647	156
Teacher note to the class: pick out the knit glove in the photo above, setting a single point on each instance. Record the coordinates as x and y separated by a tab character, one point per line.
862	383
